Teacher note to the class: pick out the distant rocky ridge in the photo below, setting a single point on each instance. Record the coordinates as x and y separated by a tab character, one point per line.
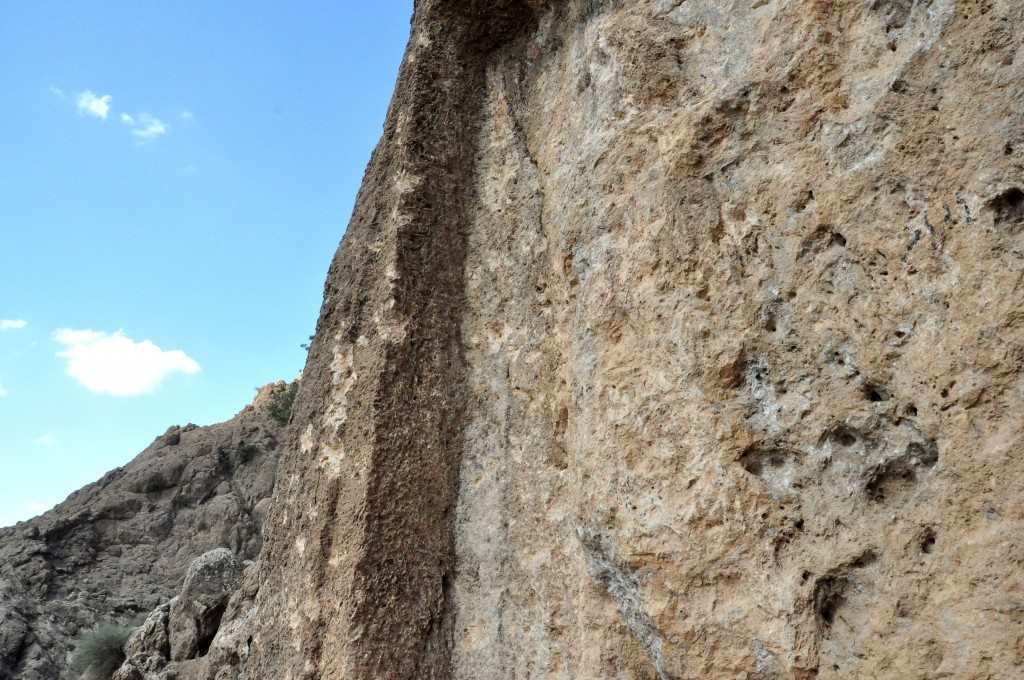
120	547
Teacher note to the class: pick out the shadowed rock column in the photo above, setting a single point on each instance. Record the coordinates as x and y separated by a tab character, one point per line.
360	549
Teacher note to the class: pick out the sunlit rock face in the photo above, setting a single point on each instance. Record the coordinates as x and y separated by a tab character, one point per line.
670	339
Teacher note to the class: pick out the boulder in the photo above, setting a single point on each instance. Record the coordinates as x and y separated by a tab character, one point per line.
196	613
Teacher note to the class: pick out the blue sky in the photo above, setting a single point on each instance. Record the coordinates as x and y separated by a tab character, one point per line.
175	179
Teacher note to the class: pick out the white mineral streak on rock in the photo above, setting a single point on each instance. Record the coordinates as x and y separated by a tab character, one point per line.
344	377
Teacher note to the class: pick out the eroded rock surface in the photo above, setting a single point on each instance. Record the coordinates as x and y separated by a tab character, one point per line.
670	339
118	548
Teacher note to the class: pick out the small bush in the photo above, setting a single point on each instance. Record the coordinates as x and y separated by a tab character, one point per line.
156	482
280	408
246	452
100	651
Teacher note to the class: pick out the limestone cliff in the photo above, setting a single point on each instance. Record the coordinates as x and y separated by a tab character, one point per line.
669	339
117	548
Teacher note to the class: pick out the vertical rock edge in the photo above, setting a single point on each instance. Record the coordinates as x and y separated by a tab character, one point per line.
372	469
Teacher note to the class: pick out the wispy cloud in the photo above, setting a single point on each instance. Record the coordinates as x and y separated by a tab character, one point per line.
188	116
12	324
48	440
117	365
3	392
97	106
37	507
145	126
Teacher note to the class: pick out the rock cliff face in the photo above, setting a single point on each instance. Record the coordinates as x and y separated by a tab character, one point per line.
669	339
119	547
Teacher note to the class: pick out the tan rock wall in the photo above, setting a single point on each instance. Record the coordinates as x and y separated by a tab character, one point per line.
670	339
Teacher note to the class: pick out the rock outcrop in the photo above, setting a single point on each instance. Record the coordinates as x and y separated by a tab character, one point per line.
120	547
195	614
177	635
669	339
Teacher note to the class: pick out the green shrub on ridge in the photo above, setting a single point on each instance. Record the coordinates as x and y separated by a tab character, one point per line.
280	408
100	651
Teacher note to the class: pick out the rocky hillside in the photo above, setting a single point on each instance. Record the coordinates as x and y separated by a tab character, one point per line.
117	548
669	339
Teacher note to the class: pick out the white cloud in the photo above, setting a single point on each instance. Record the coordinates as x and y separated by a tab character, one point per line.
3	392
145	126
36	507
94	106
48	440
115	364
188	116
12	324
